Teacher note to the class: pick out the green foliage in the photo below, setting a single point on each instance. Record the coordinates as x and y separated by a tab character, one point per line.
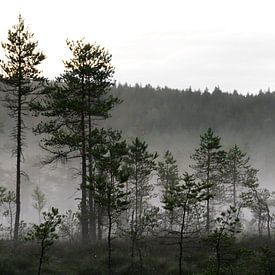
168	178
209	162
69	228
238	175
112	173
141	216
222	237
83	89
45	233
21	79
168	171
186	193
39	199
209	159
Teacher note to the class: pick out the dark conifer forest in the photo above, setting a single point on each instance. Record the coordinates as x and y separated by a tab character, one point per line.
99	177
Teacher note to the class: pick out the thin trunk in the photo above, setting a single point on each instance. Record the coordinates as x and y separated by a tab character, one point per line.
268	223
41	257
18	159
109	235
171	220
234	182
140	261
260	223
84	216
181	240
208	195
92	216
99	223
133	238
218	255
11	220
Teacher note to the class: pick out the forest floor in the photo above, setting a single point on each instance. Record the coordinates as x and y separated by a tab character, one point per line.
248	256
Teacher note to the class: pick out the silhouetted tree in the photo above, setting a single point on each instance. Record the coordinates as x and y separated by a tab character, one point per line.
9	203
81	97
168	177
222	237
183	197
40	201
141	164
208	167
110	181
45	233
236	174
20	78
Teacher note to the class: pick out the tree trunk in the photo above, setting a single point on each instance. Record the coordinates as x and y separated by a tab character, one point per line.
208	195
84	216
268	223
41	257
133	238
218	257
234	182
181	241
11	220
92	214
18	162
109	235
99	223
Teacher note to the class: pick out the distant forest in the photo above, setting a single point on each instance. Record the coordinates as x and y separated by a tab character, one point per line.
171	110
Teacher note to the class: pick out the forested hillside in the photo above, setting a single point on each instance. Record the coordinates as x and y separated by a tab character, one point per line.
174	119
168	110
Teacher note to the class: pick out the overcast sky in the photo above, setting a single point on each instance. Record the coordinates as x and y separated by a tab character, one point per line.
177	43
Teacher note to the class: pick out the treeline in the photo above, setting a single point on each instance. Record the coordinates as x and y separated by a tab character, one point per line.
169	110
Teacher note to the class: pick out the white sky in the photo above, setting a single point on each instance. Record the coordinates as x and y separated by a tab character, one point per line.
177	43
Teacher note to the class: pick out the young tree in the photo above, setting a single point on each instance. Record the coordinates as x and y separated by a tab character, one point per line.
208	166
183	197
69	227
141	164
40	201
9	200
260	201
223	235
112	175
20	76
72	106
237	171
45	233
168	177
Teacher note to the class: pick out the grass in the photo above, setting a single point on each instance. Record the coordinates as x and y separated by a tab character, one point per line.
247	257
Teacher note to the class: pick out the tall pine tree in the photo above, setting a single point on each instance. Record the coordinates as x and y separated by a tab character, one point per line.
72	106
209	159
20	76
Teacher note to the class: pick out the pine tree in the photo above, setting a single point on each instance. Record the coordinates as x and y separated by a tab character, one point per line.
223	236
73	105
110	181
141	164
209	159
45	233
237	172
20	76
40	201
183	197
168	177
